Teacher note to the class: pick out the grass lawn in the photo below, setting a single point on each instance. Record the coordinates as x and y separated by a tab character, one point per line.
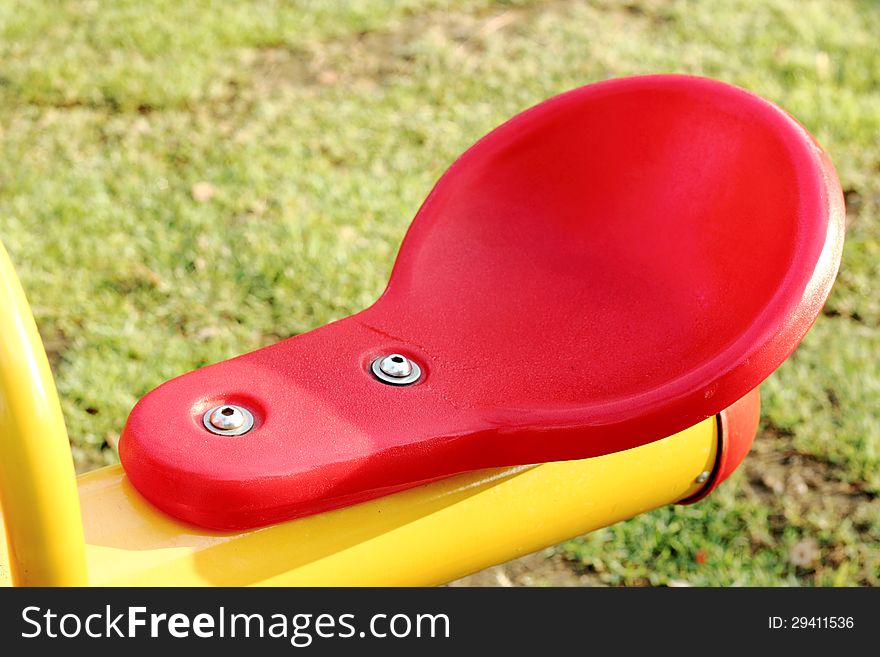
181	183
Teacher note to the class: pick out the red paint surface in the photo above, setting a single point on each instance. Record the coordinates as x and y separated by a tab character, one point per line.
603	270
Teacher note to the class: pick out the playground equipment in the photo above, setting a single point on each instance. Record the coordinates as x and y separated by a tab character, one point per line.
573	333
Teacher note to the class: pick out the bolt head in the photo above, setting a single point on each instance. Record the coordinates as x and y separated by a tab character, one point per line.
228	420
396	365
396	370
703	477
227	417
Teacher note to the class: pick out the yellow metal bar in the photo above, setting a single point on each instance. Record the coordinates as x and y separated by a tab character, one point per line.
44	535
428	535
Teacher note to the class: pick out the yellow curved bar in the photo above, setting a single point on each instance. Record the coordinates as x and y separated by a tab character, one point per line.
44	536
427	535
424	536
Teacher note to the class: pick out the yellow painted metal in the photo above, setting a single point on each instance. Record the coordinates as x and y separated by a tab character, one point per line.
38	492
427	535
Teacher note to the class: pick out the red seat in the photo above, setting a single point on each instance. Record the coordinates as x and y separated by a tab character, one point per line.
603	270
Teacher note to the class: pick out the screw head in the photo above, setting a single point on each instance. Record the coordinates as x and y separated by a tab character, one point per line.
228	420
396	370
396	365
703	477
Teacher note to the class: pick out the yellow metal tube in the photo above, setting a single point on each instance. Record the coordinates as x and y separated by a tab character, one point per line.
427	535
38	493
424	536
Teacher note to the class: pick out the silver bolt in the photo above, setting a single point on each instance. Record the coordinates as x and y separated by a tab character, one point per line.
703	477
396	365
228	420
396	369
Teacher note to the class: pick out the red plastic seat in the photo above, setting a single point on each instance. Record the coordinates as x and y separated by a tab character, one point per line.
603	270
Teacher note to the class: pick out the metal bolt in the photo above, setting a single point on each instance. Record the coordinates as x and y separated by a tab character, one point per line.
703	477
228	420
396	370
396	365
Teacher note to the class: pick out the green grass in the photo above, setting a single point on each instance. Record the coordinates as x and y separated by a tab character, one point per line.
322	125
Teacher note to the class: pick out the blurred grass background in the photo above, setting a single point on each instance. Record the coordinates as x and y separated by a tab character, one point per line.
181	182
